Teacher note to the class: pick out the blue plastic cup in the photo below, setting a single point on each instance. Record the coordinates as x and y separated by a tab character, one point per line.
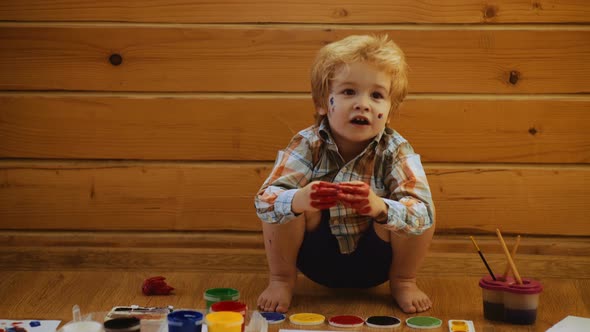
185	321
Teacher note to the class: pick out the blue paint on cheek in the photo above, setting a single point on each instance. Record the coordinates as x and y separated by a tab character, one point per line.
332	101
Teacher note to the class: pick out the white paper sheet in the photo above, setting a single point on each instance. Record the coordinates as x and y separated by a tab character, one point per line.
45	325
571	324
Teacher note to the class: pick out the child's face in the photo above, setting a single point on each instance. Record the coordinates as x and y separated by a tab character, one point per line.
359	103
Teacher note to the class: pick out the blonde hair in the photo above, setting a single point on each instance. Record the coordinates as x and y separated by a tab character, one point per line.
379	51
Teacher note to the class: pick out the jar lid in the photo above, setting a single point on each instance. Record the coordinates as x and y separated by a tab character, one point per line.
528	286
221	294
178	317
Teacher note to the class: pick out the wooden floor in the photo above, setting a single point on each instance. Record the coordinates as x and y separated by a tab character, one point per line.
51	295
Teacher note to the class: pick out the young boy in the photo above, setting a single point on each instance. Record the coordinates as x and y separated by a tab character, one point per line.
347	202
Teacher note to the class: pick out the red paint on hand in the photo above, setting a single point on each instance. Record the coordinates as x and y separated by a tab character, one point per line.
156	286
356	196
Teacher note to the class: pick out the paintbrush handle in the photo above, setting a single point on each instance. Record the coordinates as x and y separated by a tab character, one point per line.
513	254
510	261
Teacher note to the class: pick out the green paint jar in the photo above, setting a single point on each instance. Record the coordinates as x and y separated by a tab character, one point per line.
214	295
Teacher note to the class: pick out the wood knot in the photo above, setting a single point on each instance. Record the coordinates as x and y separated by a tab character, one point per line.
532	131
340	12
514	77
489	12
115	59
537	5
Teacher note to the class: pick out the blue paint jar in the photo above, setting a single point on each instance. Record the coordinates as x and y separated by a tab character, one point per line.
185	321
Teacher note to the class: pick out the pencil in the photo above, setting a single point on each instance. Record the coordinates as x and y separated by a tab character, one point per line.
483	258
512	253
510	261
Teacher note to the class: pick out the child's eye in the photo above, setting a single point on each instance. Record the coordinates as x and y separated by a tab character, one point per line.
377	95
348	92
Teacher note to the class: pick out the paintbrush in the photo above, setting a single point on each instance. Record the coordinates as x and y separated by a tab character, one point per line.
512	253
483	258
510	261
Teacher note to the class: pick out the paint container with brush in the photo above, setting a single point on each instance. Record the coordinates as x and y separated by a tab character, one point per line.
508	301
521	302
492	292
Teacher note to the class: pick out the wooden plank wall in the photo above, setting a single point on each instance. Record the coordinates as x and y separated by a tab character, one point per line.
117	120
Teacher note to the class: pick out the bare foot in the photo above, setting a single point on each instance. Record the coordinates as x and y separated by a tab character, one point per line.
276	296
408	296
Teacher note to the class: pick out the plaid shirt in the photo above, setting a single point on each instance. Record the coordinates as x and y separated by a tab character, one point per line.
388	164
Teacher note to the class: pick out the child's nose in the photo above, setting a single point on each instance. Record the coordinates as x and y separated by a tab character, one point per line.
362	104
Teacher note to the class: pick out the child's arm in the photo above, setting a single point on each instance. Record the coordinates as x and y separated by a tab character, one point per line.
410	206
288	191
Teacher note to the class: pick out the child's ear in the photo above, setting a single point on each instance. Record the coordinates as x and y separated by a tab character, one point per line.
321	111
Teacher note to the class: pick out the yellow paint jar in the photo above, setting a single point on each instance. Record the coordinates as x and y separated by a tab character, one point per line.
224	321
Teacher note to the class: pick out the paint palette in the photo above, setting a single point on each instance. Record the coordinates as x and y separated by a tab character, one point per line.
346	321
273	317
307	319
383	322
423	322
460	325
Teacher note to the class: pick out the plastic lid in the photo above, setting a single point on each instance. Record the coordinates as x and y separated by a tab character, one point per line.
229	306
529	286
225	318
499	284
178	318
221	294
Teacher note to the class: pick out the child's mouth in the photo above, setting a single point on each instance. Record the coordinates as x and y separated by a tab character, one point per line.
360	120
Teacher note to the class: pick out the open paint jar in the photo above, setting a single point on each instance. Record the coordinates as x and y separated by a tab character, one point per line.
122	324
214	295
224	321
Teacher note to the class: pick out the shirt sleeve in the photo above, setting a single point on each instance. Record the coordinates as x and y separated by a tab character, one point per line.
410	206
292	170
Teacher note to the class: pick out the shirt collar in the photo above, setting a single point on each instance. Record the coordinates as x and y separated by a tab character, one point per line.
326	135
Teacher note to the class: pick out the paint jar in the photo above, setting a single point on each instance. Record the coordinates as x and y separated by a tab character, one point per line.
122	324
83	326
214	295
224	321
185	321
234	306
492	292
521	302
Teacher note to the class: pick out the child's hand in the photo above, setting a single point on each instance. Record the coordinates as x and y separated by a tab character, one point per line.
317	195
359	196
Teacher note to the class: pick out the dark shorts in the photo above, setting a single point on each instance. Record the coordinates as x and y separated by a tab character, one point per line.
320	259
